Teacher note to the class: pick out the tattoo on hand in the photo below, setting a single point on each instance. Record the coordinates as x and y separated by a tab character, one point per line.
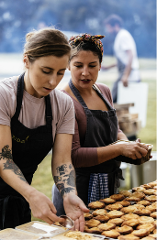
62	169
9	164
57	179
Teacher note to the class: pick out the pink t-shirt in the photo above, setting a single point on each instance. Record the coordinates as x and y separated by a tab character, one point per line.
32	112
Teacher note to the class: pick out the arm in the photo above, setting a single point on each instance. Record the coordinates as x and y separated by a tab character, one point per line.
64	177
40	205
108	67
127	69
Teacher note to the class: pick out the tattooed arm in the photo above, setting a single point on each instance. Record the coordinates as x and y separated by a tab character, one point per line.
64	177
40	205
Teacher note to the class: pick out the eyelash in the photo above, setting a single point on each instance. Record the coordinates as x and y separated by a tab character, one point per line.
50	72
80	66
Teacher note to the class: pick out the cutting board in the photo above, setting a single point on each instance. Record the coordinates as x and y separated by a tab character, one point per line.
9	234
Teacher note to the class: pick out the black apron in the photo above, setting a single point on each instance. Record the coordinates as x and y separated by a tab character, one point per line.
29	148
102	128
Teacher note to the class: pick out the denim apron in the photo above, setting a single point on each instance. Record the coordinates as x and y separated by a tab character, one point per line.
102	128
29	147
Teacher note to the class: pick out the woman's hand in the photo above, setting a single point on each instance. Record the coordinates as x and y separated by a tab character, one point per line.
134	150
75	208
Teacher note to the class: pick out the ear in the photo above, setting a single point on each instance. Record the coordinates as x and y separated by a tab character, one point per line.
26	61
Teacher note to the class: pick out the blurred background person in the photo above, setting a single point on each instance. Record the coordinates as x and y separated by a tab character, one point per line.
124	48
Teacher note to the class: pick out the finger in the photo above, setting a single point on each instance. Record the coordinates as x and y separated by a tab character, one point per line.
82	223
138	155
83	207
76	225
53	217
138	140
52	207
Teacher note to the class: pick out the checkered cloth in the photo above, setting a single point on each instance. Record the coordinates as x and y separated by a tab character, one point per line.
98	187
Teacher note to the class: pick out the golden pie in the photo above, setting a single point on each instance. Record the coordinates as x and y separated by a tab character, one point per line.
139	206
96	204
107	200
128	237
145	219
130	216
150	191
111	234
151	208
117	197
124	203
133	199
126	193
142	212
153	215
93	230
149	226
131	222
144	202
99	212
124	229
128	209
106	226
88	216
151	198
138	189
140	233
117	221
114	214
114	206
92	223
138	195
102	218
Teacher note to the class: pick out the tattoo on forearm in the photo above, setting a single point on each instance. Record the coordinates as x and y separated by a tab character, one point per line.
65	182
9	164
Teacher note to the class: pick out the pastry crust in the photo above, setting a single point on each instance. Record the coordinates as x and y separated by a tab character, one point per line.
99	212
138	194
149	226
151	198
117	197
138	189
114	214
131	222
139	206
146	186
106	226
124	229
128	237
124	203
150	191
133	199
153	184
142	212
117	221
130	216
145	219
153	215
88	216
126	193
93	230
128	209
102	218
96	204
148	238
111	234
108	200
140	233
144	202
114	206
151	208
92	223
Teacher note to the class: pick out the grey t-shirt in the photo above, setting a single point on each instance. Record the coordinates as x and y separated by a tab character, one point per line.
32	112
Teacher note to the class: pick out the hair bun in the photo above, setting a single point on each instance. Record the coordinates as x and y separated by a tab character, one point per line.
29	35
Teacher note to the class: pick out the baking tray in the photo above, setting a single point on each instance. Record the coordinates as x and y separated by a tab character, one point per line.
41	228
10	234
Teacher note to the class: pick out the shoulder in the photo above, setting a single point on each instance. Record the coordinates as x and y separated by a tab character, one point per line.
105	90
8	87
61	99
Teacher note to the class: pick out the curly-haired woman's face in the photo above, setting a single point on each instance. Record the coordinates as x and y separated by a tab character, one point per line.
84	69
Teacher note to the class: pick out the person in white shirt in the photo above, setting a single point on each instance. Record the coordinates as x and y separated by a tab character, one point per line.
125	52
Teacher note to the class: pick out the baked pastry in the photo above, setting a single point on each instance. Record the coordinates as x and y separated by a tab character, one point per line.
111	234
153	215
124	229
93	230
155	223
149	191
130	216
145	219
117	221
126	193
106	226
107	200
128	237
128	209
114	206
138	194
151	198
117	197
153	235
142	212
131	222
88	216
151	208
153	184
92	223
144	202
139	206
133	198
148	238
140	233
124	203
155	231
114	214
102	218
146	186
149	226
96	204
99	212
138	189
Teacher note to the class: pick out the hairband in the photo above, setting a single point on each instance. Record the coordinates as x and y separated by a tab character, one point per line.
87	37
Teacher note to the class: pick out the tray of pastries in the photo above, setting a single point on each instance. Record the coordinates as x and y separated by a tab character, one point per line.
127	215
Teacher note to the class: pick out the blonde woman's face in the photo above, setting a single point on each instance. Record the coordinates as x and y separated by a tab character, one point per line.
44	74
84	69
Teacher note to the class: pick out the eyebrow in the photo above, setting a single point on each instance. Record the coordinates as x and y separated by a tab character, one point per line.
53	69
90	62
